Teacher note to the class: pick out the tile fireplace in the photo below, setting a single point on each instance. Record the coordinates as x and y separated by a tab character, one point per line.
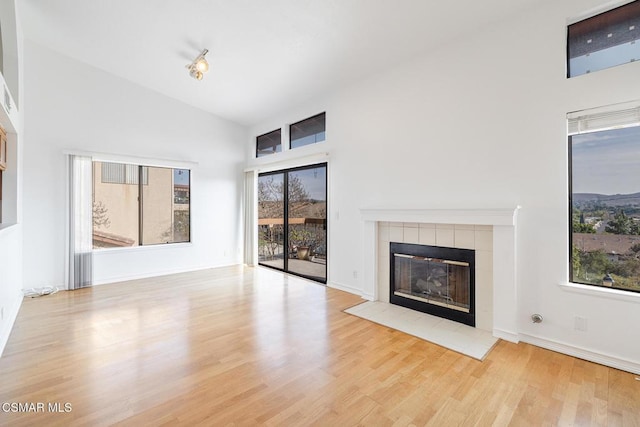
490	232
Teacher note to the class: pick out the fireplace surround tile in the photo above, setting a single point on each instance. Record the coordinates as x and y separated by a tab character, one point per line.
484	240
396	232
427	235
383	232
464	238
444	226
479	227
464	227
445	237
411	234
484	260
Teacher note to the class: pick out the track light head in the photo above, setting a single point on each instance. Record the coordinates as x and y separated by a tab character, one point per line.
199	66
202	65
195	73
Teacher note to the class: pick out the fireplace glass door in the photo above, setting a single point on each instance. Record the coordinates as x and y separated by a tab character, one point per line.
435	281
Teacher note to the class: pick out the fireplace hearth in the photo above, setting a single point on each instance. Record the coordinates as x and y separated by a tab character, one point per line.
434	280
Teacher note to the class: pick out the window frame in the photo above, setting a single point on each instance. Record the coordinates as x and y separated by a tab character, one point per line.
285	217
591	121
324	113
141	182
258	155
610	9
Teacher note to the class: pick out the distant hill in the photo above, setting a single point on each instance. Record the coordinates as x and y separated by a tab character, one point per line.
607	199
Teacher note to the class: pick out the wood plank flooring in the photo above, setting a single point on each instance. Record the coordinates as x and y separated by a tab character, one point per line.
244	346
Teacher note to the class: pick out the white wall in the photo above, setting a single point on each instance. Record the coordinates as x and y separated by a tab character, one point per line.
480	123
11	229
72	106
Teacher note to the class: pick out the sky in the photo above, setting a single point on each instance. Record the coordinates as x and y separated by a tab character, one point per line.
181	176
314	181
607	162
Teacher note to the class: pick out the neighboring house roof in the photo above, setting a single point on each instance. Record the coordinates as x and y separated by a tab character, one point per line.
608	243
111	240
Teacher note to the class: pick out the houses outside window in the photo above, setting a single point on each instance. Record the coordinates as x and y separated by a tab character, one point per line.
135	205
606	40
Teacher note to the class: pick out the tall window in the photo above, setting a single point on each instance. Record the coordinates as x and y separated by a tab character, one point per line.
307	131
605	40
604	155
136	205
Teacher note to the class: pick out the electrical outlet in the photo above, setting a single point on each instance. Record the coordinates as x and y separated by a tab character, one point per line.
355	274
1	313
580	323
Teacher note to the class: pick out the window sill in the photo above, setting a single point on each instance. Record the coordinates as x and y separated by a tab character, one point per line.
164	246
7	226
602	292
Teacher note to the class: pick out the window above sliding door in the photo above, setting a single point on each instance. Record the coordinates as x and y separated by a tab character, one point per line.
307	131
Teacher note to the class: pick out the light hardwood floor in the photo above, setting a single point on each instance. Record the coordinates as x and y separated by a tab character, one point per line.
250	346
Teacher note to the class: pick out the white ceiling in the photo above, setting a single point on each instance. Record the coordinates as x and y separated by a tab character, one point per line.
265	55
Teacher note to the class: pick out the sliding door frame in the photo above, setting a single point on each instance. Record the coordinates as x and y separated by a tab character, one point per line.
285	220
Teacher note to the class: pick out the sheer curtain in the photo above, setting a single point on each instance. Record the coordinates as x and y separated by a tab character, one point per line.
80	222
250	248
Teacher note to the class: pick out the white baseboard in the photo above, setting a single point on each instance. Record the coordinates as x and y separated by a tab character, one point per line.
582	353
369	297
9	321
345	288
506	335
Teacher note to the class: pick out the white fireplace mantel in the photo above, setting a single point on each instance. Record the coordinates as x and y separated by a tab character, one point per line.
443	216
504	222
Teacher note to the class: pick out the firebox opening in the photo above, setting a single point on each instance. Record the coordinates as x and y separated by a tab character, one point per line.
434	280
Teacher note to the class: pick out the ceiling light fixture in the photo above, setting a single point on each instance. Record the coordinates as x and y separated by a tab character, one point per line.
199	66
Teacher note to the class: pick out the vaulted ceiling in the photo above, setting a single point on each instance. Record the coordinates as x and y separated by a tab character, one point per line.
265	55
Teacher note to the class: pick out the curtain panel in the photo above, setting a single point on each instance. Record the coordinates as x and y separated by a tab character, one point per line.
80	223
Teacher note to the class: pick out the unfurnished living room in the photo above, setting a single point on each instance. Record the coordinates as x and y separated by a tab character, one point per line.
326	213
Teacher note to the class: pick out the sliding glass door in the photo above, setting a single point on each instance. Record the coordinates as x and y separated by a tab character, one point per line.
292	221
271	244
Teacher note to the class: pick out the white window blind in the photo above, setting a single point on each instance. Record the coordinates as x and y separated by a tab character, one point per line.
604	118
121	173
